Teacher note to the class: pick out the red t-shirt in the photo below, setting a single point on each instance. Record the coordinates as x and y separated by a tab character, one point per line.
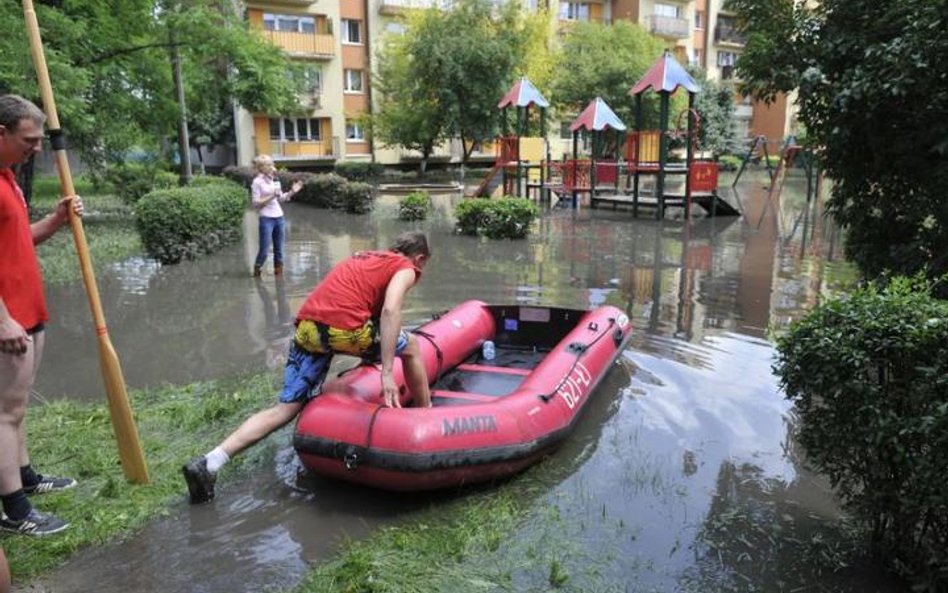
354	291
21	283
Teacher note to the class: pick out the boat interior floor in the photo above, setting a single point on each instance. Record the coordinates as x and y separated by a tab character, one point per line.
477	380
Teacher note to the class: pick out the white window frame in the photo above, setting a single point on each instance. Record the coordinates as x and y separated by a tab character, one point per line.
347	25
574	11
726	58
289	23
290	127
354	131
348	79
672	11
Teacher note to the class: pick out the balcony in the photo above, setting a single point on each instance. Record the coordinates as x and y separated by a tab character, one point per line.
726	34
308	45
310	150
728	74
669	27
742	111
393	7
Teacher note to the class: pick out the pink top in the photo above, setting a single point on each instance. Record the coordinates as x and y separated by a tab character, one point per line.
262	188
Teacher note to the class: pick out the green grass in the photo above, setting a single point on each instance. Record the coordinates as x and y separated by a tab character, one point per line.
76	439
108	242
109	229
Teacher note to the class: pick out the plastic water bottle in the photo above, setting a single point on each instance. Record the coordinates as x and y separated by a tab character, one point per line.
487	351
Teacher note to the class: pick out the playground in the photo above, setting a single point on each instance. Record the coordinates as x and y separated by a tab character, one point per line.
610	165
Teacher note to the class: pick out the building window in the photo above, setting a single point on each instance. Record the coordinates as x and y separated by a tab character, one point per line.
672	11
565	132
726	58
353	82
395	28
288	129
699	19
289	23
312	79
354	131
351	31
571	11
699	57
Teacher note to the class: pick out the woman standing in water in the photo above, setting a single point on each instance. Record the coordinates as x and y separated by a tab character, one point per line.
267	194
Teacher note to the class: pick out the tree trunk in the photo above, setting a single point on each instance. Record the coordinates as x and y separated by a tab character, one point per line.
24	178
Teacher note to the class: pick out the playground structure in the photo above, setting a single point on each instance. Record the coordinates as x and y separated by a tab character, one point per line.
516	151
618	160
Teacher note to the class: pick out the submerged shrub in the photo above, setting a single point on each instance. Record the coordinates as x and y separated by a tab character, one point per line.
359	170
185	222
414	206
504	218
869	378
357	197
131	181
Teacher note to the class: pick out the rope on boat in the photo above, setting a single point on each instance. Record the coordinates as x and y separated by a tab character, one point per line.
580	350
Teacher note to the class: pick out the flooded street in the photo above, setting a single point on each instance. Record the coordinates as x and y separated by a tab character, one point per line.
681	476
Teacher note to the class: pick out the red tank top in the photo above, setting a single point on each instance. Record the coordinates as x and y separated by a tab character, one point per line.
354	290
21	283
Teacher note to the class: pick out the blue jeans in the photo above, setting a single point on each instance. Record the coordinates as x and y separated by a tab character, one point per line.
272	230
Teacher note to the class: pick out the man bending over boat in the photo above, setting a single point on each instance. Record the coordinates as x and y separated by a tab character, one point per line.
356	309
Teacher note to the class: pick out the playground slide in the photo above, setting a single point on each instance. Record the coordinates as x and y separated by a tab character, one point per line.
489	183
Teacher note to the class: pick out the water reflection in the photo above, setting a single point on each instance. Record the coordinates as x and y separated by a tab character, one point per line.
685	453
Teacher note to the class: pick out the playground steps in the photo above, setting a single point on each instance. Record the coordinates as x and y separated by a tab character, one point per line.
711	203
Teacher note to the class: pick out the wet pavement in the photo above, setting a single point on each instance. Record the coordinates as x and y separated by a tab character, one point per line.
673	478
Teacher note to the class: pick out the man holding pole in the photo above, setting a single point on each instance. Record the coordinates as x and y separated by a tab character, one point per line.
22	317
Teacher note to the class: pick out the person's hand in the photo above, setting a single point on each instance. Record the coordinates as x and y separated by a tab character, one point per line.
13	338
62	207
390	391
296	187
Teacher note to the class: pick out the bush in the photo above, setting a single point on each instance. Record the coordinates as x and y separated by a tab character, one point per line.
242	175
131	181
869	378
414	206
324	191
359	170
357	198
206	180
729	162
504	218
185	222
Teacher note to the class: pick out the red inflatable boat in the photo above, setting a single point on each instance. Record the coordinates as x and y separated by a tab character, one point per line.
490	418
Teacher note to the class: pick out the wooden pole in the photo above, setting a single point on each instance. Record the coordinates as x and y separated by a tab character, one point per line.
130	450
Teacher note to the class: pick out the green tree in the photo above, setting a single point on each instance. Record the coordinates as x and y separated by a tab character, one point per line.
604	61
409	113
444	76
110	67
715	107
873	89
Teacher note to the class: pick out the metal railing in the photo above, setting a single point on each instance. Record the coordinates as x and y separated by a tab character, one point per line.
728	33
667	26
306	149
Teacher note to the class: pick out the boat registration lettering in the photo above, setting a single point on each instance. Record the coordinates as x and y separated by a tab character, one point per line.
462	425
575	385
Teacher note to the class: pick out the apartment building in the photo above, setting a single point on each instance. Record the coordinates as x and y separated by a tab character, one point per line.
335	39
330	41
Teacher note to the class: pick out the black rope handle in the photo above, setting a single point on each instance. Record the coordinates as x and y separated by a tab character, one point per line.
546	397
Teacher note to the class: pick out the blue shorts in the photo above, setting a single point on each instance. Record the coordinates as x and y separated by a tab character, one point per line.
305	371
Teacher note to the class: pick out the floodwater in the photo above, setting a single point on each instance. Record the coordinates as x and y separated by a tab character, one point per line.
681	477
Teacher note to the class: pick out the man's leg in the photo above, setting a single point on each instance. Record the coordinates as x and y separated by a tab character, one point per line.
16	379
305	372
16	376
415	375
34	483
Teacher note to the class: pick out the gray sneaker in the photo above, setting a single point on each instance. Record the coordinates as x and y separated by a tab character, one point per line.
49	484
200	480
36	523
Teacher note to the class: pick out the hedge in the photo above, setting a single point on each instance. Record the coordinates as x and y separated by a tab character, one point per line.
868	376
185	222
414	206
503	218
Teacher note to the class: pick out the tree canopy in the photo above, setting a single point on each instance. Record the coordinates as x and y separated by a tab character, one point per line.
445	74
873	88
603	61
109	63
